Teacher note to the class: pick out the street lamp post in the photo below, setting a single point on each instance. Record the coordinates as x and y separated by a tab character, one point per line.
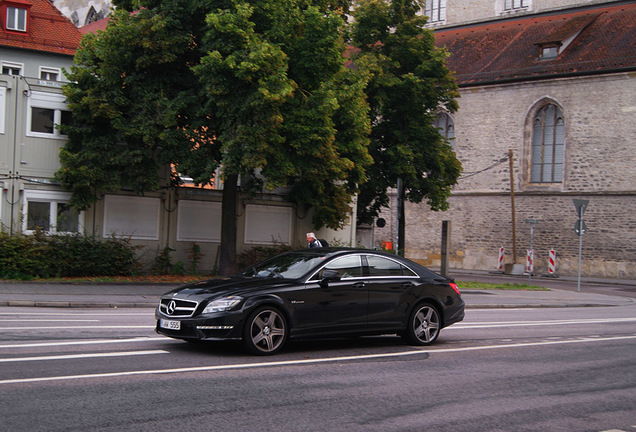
579	229
532	223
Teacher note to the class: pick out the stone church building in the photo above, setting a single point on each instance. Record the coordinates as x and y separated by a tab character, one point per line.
547	116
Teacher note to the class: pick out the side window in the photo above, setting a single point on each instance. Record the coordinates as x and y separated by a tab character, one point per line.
515	4
348	267
49	211
3	107
45	112
379	266
16	19
548	145
435	10
9	68
50	74
446	127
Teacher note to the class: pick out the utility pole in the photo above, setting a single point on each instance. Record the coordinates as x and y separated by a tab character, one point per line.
399	228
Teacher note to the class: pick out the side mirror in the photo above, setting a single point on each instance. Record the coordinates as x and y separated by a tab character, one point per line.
329	276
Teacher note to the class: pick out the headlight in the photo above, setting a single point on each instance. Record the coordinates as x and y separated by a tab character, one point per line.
222	304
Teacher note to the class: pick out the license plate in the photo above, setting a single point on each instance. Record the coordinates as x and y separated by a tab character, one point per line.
170	325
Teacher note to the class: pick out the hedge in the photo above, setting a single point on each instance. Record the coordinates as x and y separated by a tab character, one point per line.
45	256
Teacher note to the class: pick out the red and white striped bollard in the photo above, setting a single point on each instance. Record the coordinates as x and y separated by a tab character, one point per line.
500	262
552	263
530	261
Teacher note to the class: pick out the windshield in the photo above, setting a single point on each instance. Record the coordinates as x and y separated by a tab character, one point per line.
286	266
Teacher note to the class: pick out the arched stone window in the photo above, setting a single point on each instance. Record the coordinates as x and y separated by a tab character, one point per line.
548	145
446	127
91	16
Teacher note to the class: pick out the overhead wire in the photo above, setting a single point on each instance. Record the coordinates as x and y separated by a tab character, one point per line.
473	173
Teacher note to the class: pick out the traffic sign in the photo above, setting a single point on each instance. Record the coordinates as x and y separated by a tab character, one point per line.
577	227
580	205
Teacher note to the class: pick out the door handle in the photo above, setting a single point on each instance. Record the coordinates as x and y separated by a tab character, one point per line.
359	285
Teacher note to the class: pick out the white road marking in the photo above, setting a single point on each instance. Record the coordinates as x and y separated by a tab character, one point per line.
469	325
117	313
81	356
55	320
458	326
86	342
79	327
308	361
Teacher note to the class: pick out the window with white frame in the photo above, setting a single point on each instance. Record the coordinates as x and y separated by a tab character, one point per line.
199	221
548	145
49	211
3	107
16	18
267	224
131	216
435	10
446	127
10	68
50	74
516	4
45	112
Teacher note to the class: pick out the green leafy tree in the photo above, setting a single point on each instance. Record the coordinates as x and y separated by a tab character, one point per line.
409	83
258	88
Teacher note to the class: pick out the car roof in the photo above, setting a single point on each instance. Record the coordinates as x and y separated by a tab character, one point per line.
332	252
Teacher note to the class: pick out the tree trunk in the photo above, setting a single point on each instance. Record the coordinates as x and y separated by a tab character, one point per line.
401	246
227	261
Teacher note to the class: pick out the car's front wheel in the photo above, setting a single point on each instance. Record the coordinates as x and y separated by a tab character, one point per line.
265	332
424	325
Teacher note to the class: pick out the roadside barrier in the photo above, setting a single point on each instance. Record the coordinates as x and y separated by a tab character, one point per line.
500	263
530	261
551	262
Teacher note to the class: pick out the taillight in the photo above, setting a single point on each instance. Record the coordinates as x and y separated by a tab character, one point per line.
455	287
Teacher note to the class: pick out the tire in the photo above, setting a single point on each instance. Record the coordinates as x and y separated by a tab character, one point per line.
265	331
423	326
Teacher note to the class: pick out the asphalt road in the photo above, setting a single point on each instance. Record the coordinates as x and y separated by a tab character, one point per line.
553	369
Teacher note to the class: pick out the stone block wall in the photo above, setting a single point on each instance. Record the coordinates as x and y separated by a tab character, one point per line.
600	166
463	11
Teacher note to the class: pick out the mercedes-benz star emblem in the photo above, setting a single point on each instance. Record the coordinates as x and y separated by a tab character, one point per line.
171	307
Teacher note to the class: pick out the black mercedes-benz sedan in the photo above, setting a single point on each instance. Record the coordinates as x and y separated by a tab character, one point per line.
314	293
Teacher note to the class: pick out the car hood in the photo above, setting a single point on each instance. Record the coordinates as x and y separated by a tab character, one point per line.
227	286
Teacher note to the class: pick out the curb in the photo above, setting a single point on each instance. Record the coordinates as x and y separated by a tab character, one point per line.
77	305
537	306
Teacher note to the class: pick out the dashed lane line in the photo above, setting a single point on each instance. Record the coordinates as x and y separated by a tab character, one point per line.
86	342
309	361
82	356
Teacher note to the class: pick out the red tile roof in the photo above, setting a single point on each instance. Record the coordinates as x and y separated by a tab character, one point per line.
95	26
509	49
49	31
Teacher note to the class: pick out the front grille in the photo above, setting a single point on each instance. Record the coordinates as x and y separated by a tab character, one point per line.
174	307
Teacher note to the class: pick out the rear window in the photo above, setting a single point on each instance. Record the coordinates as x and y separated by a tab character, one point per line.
380	266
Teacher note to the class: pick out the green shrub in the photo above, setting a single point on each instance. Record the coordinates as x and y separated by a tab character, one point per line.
195	256
163	262
42	256
22	256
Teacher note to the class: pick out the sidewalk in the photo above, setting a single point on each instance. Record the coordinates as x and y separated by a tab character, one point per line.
562	292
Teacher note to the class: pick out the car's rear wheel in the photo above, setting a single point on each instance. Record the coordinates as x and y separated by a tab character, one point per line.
424	325
265	332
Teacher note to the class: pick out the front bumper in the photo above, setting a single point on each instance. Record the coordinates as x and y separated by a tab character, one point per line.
218	326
